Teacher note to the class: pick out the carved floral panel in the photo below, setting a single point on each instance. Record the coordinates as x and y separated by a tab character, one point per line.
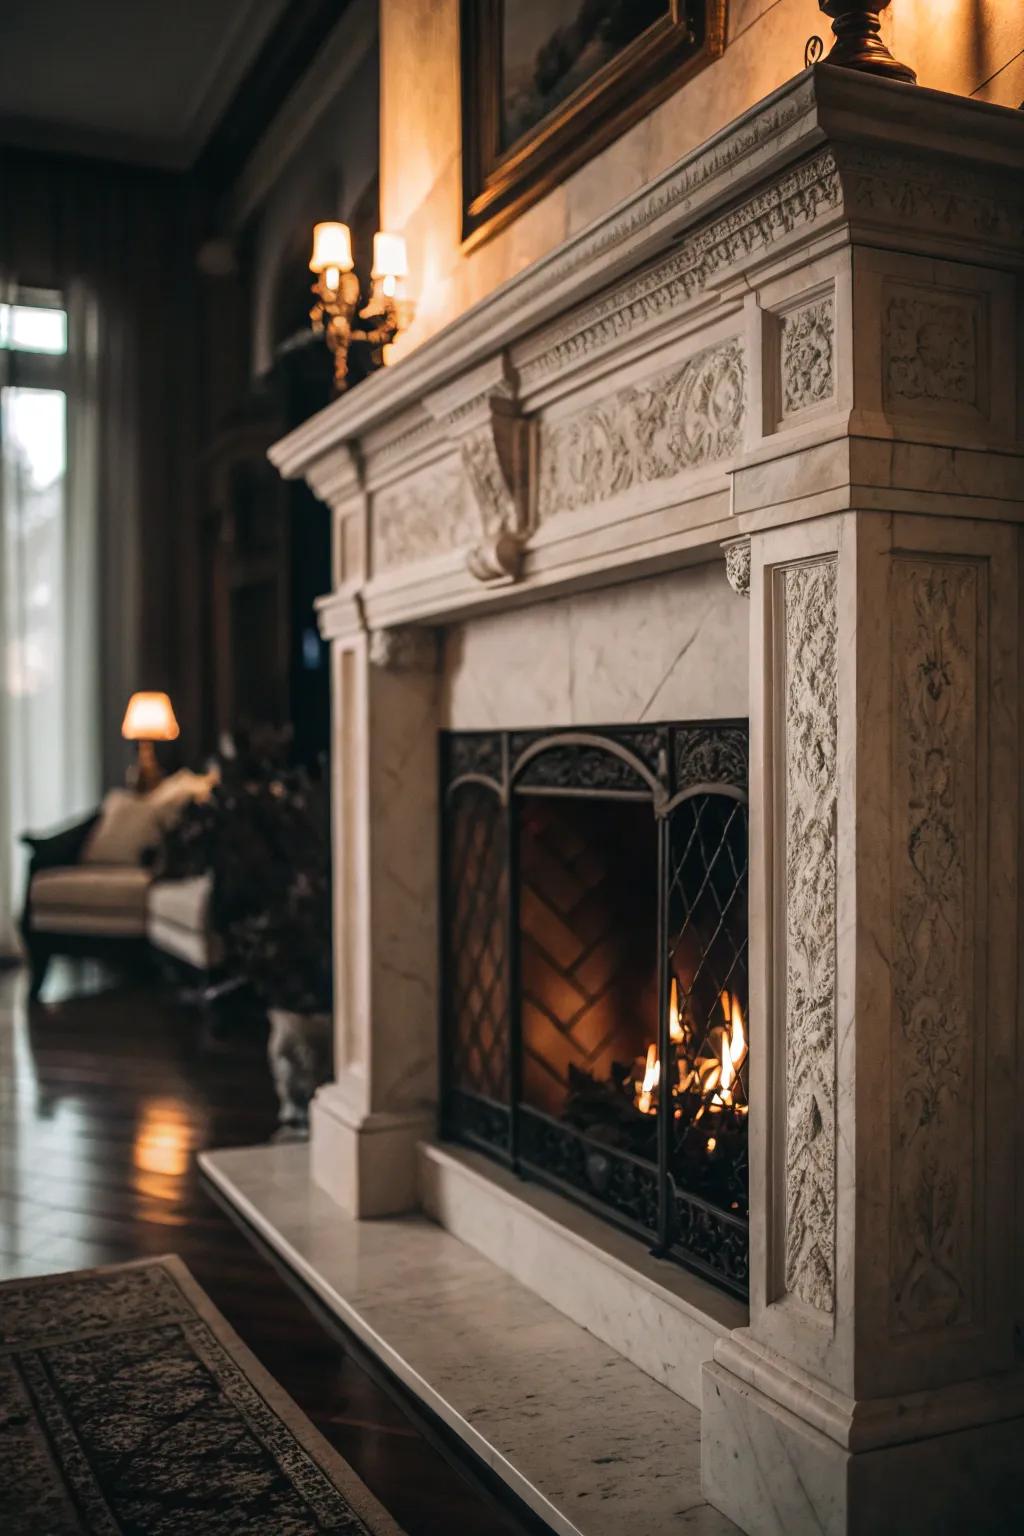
681	419
807	345
809	754
930	349
936	831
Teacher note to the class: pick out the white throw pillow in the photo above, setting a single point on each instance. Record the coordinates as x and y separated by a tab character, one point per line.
128	825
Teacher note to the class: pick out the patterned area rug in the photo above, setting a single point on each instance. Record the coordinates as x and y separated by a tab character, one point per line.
127	1405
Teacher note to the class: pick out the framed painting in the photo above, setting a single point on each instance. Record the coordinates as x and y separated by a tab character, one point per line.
546	84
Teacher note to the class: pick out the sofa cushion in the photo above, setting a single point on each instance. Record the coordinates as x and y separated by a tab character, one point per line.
90	898
178	913
129	824
185	902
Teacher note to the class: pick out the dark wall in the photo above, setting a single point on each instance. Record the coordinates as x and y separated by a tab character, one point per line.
265	372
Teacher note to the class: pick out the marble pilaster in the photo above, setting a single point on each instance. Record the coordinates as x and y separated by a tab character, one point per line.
877	1387
366	1123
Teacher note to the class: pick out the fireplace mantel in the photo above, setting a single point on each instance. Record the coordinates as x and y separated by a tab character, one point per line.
803	343
643	392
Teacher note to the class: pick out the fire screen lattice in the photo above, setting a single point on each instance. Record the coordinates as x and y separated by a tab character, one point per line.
594	972
476	898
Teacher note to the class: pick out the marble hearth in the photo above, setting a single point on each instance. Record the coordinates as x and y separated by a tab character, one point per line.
749	445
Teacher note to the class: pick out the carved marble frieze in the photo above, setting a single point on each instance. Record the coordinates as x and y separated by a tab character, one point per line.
807	355
930	349
678	188
425	515
810	705
680	419
897	188
936	1034
797	198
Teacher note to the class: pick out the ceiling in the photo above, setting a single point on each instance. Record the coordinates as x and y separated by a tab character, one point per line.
139	80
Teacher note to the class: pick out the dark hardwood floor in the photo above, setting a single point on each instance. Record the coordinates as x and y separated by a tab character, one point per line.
106	1094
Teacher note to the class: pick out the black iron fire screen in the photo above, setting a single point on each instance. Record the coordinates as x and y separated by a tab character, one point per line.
594	976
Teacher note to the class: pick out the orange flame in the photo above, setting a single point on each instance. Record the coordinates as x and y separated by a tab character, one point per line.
675	1028
652	1075
734	1045
714	1077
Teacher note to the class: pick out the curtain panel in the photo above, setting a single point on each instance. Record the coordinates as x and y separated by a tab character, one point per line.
119	243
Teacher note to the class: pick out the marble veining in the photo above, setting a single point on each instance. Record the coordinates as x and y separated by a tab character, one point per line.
587	1440
671	647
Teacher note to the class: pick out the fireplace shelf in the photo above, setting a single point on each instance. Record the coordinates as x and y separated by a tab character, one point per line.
594	922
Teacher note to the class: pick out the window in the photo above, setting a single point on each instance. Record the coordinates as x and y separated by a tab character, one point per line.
33	564
34	328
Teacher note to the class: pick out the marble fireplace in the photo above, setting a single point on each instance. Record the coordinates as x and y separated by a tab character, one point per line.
745	454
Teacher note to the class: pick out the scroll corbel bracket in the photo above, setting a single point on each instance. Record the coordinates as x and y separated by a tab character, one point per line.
737	564
482	417
495	459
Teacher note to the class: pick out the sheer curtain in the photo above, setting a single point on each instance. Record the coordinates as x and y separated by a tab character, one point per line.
104	616
49	745
8	876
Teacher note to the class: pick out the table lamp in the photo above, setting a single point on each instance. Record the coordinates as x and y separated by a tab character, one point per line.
148	718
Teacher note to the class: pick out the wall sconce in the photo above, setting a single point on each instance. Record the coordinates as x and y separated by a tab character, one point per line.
337	293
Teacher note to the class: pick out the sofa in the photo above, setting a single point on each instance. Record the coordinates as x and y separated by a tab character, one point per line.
94	888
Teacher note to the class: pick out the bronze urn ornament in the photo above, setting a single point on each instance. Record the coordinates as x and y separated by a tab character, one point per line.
858	43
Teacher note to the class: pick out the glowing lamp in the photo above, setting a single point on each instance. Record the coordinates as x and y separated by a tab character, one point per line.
148	718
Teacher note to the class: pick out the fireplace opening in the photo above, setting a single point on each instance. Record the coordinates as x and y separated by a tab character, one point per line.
588	982
594	1008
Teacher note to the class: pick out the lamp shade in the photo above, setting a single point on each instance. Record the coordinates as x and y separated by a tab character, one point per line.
149	717
332	247
389	258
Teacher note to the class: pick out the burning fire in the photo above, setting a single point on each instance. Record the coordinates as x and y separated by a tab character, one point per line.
651	1079
714	1078
675	1028
734	1045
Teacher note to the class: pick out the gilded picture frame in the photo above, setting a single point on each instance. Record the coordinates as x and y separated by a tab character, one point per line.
545	86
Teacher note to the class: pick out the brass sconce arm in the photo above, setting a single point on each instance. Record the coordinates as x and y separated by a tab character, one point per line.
383	317
332	313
